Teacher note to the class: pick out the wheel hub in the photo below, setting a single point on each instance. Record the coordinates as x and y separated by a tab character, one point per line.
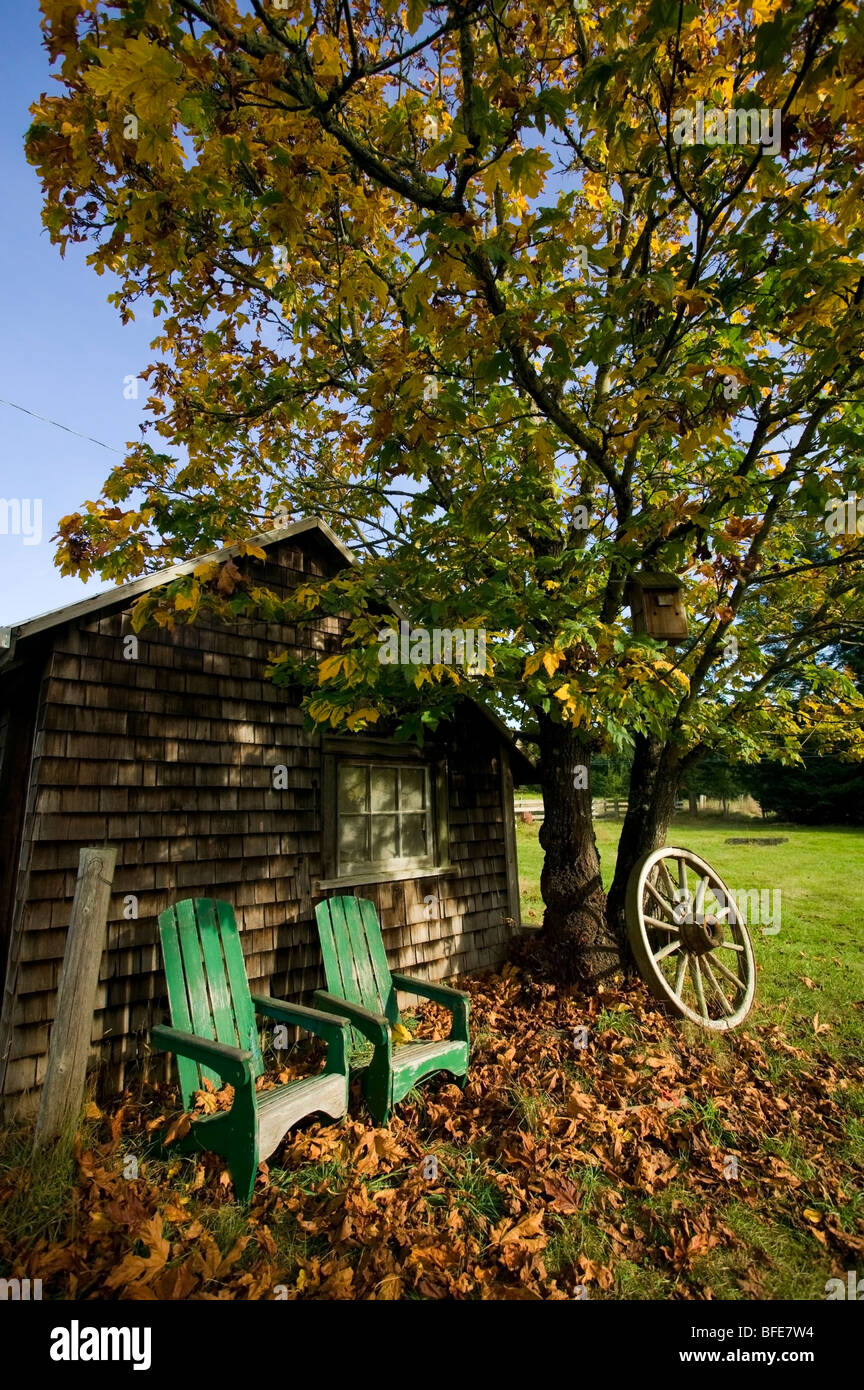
701	932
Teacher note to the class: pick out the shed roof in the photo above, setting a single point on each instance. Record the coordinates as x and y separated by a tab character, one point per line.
123	594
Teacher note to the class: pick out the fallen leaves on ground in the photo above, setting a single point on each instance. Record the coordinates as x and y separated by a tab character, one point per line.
479	1193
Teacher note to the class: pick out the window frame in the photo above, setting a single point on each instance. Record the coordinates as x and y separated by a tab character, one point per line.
337	752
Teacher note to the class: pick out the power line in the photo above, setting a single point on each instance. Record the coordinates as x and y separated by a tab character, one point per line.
57	425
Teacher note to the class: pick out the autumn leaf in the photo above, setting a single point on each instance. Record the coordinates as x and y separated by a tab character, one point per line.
135	1270
177	1129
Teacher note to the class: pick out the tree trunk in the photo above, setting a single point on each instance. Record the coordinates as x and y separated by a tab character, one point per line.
650	807
693	803
582	949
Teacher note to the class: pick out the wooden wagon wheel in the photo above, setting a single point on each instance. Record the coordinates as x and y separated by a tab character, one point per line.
689	939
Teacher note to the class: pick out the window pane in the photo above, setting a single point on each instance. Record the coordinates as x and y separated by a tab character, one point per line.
383	788
384	838
414	843
352	788
352	840
413	789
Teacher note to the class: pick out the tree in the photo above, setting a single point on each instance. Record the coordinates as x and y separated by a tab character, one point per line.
818	789
483	287
824	791
714	778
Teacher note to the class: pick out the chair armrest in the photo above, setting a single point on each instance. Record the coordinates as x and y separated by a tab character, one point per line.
232	1064
328	1026
375	1027
440	994
456	1000
313	1020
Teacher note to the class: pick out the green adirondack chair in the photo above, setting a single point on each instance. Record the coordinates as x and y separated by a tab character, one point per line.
214	1034
362	989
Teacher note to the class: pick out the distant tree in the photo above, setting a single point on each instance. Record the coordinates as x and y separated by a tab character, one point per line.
821	790
824	791
610	777
716	778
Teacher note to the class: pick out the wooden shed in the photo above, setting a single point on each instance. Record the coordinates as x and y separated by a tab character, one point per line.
170	757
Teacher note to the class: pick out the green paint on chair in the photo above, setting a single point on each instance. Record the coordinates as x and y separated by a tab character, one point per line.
214	1035
362	989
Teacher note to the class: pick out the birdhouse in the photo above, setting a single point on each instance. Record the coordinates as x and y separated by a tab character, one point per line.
657	607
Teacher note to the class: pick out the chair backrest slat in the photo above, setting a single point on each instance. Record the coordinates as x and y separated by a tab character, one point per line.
190	1078
355	962
215	977
378	959
208	989
244	1012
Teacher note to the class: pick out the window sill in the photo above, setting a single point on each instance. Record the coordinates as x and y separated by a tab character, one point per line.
384	876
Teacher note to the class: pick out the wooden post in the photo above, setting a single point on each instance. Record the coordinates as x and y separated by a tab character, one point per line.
63	1091
510	850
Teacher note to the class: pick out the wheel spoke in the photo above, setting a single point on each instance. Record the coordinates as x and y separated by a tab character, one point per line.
679	978
661	926
697	985
667	907
670	886
668	950
727	974
727	1007
730	946
682	874
699	900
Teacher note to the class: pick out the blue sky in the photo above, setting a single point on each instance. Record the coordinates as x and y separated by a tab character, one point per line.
63	353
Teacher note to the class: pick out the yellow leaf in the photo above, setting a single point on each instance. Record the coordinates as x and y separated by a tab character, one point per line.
551	662
330	667
365	715
811	1215
399	1034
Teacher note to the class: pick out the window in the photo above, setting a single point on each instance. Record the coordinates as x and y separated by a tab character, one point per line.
383	811
384	817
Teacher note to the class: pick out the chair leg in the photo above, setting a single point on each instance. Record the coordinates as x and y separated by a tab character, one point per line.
244	1170
378	1089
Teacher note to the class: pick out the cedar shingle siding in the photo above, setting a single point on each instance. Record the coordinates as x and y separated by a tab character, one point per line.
170	758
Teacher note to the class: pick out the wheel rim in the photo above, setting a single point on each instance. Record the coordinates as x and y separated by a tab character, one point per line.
689	939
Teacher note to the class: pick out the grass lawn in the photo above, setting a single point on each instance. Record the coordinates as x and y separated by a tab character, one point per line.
809	998
820	876
600	1147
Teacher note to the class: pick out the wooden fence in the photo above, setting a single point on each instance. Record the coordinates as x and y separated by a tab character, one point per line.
601	806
